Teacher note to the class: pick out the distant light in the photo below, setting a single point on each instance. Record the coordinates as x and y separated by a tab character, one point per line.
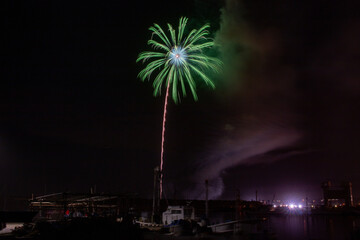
275	206
300	206
292	206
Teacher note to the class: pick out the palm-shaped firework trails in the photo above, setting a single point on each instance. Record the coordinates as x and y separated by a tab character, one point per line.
176	60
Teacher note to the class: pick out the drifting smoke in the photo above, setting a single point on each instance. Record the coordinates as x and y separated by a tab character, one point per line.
262	92
239	150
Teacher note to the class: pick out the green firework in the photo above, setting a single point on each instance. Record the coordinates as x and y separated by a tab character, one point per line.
179	59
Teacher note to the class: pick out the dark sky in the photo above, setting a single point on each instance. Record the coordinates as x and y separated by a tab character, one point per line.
284	117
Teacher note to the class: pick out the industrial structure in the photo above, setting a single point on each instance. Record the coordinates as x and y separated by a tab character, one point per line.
337	192
65	204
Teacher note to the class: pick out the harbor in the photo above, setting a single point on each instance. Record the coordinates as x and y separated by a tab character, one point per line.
180	120
110	216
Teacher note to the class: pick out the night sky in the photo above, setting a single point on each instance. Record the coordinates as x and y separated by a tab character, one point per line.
283	118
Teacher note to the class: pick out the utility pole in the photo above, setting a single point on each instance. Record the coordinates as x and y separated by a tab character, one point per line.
206	198
237	204
256	195
156	201
273	200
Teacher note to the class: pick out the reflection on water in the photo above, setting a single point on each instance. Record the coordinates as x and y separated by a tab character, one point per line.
315	227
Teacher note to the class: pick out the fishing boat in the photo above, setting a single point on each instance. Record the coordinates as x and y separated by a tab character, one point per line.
174	213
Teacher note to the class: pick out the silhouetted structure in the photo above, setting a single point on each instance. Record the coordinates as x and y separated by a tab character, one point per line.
155	215
56	206
343	191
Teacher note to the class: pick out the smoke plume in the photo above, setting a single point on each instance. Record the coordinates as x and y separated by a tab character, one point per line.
261	90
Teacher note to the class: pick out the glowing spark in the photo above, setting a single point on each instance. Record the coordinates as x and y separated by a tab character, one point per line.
177	56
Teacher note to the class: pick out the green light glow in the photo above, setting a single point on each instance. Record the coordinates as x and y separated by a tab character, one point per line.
178	58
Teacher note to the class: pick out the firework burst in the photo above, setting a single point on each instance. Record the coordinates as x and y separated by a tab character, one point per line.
178	61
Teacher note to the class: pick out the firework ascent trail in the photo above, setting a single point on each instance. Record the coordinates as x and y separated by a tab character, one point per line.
163	137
